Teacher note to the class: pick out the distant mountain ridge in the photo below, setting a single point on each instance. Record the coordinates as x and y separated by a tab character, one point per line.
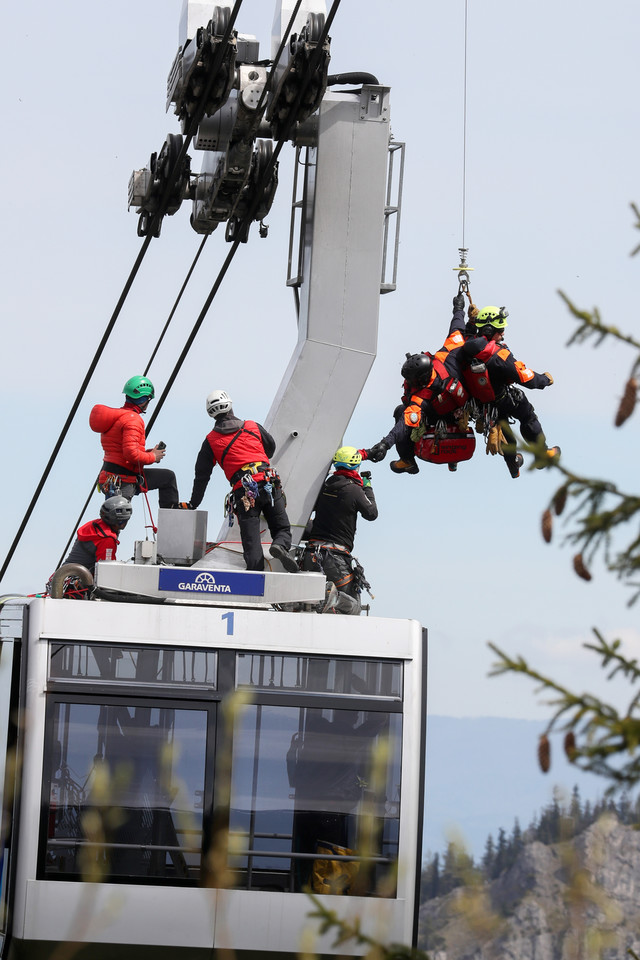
570	899
482	774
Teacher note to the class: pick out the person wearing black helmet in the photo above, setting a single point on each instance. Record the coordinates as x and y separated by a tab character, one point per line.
431	390
122	435
425	381
98	539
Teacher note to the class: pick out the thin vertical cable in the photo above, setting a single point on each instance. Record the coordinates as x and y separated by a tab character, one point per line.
464	126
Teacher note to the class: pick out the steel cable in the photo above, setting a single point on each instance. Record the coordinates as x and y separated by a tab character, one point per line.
110	325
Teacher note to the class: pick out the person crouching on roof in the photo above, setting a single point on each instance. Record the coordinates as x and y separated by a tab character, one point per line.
122	435
242	448
96	540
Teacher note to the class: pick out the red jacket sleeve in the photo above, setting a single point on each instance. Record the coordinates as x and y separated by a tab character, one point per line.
133	442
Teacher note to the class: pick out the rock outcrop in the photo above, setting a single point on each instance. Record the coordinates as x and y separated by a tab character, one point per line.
573	900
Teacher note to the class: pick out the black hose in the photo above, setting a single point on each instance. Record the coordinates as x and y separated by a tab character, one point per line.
355	78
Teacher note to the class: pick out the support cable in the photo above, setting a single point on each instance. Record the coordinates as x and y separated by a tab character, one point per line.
464	126
195	120
248	217
463	268
246	220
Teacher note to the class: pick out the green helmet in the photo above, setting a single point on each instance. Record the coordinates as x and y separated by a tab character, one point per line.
495	317
347	458
137	388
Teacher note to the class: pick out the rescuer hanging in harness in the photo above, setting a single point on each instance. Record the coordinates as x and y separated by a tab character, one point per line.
330	534
432	390
122	435
493	377
242	448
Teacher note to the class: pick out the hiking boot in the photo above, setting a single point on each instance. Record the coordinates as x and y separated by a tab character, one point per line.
279	553
514	464
551	453
404	466
331	598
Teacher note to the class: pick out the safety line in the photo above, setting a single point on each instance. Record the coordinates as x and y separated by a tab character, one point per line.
464	126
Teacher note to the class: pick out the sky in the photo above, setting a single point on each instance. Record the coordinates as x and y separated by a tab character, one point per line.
550	173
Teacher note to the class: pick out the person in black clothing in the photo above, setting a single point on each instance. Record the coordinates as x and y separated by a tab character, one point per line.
242	448
331	533
487	360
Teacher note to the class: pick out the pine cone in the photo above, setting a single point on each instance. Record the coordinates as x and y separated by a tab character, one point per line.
560	500
547	526
579	567
544	753
628	402
570	746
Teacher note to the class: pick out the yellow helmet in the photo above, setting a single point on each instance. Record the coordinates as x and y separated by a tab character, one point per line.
347	458
495	317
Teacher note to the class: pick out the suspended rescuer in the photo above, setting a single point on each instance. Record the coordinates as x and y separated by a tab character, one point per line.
122	435
494	377
432	390
242	448
330	534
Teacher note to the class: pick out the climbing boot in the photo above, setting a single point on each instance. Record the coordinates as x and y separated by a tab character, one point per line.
550	454
332	596
281	554
514	464
404	466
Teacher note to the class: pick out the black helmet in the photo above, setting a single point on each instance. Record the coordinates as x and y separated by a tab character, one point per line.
116	511
417	368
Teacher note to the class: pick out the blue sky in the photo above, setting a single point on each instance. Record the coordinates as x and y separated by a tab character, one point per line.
551	169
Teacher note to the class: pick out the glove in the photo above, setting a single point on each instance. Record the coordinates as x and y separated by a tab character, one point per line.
458	302
495	440
547	374
377	452
412	415
473	311
366	478
184	505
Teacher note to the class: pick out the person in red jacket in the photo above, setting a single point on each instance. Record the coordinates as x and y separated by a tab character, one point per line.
242	448
122	435
98	539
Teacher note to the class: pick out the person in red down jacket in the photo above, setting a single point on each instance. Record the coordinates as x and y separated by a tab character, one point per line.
122	434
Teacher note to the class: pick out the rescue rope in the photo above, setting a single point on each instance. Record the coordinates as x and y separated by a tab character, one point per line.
464	125
463	268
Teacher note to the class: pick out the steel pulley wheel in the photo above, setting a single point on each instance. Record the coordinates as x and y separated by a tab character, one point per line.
315	26
220	21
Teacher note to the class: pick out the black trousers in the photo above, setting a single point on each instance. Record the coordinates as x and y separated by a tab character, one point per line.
515	404
157	478
337	568
249	520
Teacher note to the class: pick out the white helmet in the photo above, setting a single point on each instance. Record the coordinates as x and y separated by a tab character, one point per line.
218	402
